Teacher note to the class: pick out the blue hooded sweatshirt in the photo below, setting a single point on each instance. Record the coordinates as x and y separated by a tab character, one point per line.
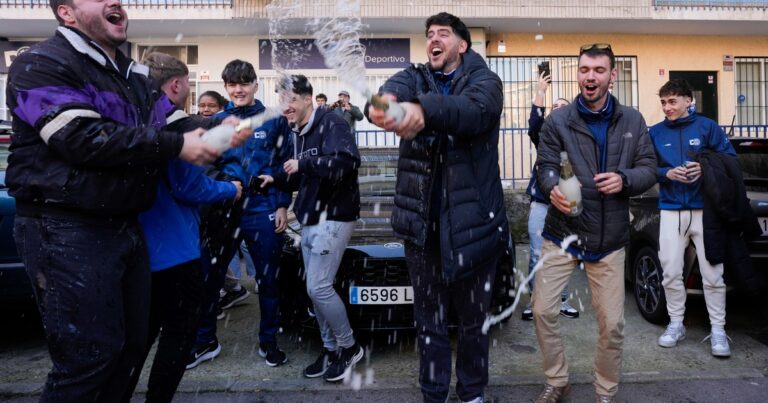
171	225
263	154
677	141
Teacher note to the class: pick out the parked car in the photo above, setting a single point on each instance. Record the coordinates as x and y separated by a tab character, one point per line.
373	279
15	289
643	269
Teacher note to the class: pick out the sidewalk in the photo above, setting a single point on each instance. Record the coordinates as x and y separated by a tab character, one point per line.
392	361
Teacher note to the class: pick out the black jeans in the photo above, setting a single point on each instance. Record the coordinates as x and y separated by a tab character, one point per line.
220	237
91	282
470	299
177	295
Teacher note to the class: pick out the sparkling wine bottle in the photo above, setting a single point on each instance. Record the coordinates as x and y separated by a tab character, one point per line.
221	135
569	185
391	108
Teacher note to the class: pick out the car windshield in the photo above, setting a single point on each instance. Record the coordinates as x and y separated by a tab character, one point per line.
754	159
376	178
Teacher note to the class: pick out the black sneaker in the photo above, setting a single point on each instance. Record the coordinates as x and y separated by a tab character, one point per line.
273	355
220	313
568	311
321	364
527	313
234	297
342	367
202	353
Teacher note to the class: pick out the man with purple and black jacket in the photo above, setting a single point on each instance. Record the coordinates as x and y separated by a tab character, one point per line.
86	157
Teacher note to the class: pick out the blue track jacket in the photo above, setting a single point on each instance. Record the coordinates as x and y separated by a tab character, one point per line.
679	141
262	154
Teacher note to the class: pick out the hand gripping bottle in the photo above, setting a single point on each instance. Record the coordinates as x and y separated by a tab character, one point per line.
391	108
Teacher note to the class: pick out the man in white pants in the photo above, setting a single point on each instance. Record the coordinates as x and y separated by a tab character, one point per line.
678	140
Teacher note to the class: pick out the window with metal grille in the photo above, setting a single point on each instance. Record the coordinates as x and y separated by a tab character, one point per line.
751	91
519	74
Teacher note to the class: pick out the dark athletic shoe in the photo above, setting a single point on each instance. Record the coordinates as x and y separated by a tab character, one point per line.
203	353
272	354
342	367
321	364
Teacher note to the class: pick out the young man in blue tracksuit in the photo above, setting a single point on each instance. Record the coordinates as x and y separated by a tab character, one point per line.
264	216
324	171
171	231
678	140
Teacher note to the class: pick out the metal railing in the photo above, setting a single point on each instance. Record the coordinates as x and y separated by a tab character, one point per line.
712	3
516	152
129	3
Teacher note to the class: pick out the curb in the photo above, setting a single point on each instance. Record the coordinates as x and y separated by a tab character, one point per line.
300	384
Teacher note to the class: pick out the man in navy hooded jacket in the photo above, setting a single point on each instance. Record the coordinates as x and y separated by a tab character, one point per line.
678	140
449	205
323	170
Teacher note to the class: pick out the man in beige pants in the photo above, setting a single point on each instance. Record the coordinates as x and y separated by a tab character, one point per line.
613	158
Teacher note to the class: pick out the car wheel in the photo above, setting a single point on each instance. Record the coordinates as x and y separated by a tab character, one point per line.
646	283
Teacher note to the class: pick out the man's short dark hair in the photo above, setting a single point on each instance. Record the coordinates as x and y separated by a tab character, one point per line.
300	85
452	21
239	72
163	67
677	87
599	49
55	4
321	96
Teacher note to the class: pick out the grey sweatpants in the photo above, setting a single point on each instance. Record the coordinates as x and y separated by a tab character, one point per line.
322	247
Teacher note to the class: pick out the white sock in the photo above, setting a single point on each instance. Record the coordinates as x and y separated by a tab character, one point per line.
718	329
237	287
676	323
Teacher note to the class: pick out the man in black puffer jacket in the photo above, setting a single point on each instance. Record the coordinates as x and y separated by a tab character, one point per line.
612	156
449	205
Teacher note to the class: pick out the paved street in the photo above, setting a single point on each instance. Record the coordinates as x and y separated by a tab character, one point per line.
388	374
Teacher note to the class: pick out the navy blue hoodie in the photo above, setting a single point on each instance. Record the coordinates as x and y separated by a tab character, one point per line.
680	140
327	177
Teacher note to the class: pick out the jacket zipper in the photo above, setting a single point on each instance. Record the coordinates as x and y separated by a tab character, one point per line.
602	196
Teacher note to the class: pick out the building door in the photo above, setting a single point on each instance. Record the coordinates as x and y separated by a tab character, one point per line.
704	85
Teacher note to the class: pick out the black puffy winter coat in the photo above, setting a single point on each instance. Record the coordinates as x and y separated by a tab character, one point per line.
465	123
603	226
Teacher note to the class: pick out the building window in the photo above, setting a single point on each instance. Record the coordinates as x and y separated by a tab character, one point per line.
751	90
519	76
185	53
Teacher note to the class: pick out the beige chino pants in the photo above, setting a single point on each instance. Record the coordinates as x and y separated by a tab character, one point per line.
606	282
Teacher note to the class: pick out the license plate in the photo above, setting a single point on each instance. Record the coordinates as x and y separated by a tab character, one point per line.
764	225
380	295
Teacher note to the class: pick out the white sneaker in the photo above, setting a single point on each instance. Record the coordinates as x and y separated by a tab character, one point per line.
672	335
478	399
719	341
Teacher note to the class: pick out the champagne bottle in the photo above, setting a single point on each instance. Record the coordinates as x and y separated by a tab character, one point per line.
391	108
569	185
221	135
